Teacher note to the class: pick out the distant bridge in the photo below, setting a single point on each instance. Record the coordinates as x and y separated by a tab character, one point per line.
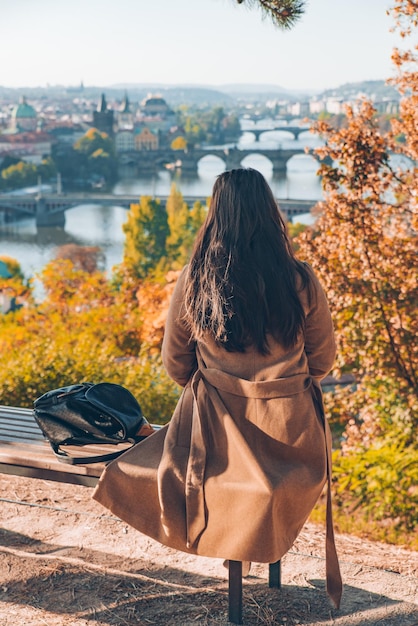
49	210
148	161
295	130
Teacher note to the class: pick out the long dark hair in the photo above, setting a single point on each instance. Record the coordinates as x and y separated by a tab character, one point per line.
241	280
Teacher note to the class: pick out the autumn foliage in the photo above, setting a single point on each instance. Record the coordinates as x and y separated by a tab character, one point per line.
85	329
364	249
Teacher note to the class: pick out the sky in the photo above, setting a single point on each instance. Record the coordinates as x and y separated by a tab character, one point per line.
192	42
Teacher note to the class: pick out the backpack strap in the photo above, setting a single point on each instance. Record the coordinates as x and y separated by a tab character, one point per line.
64	457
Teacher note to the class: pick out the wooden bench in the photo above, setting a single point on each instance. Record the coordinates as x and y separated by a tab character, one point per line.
25	452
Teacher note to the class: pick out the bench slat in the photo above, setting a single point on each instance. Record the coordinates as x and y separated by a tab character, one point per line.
42	463
15	426
14	423
45	474
20	432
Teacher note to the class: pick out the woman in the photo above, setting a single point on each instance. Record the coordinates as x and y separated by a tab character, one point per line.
249	336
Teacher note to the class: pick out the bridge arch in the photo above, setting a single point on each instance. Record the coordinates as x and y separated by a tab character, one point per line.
277	135
212	161
243	159
309	161
258	161
306	132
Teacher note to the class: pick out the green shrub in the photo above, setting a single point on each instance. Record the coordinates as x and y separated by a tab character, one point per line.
382	482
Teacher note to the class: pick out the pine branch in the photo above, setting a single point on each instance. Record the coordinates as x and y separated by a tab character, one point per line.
283	13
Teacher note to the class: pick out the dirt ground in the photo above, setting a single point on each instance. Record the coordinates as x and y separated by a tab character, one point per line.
64	561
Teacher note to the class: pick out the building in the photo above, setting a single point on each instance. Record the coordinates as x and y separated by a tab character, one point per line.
335	105
146	139
103	118
30	146
124	135
299	109
317	106
154	106
125	118
387	107
24	117
124	140
155	113
66	132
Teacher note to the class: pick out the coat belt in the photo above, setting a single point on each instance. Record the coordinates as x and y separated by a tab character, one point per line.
262	389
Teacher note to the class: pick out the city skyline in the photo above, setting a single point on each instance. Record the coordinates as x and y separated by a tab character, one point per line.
210	42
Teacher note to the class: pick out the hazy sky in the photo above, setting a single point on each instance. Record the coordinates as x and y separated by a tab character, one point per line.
206	42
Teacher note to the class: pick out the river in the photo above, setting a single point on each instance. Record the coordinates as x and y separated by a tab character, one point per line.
100	226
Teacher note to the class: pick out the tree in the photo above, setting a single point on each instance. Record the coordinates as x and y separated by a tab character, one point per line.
146	231
97	157
283	13
84	329
20	175
405	13
86	258
8	161
12	282
294	229
215	123
46	170
179	223
364	246
159	238
197	216
94	140
194	130
364	249
213	126
13	267
183	225
179	143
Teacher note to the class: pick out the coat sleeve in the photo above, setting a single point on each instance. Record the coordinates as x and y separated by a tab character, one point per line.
319	332
178	349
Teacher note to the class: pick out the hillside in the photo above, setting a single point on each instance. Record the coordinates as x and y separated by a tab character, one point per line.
204	95
373	89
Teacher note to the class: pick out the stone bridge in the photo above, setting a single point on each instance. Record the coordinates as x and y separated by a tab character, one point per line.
294	130
152	160
49	210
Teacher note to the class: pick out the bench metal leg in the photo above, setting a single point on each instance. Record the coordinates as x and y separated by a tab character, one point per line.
235	592
235	587
275	575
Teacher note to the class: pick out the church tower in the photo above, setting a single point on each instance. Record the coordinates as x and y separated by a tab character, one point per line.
103	117
125	116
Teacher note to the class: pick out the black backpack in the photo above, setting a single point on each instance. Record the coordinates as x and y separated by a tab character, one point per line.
90	414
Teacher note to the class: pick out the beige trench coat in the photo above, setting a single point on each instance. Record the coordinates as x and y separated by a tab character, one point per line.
238	469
